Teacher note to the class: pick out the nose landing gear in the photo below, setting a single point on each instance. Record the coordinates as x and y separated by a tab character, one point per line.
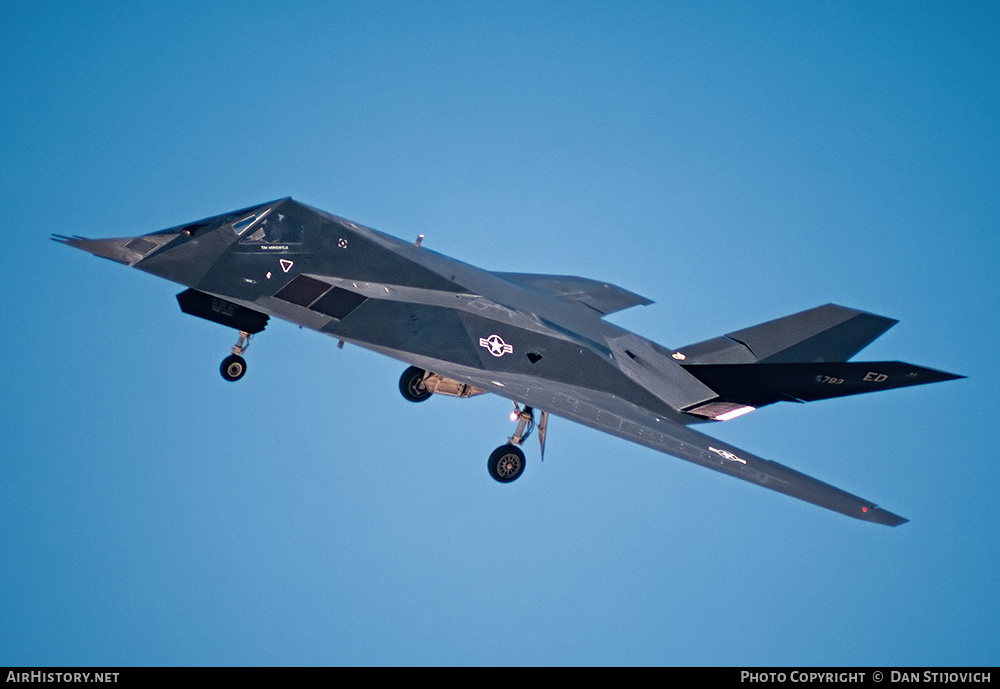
234	366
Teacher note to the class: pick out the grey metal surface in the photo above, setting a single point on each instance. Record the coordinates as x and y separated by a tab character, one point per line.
539	340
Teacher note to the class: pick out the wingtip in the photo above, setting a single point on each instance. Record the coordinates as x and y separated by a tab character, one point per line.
879	516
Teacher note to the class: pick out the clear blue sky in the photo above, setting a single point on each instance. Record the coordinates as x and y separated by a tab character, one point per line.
734	162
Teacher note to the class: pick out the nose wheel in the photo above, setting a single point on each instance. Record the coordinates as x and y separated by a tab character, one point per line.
234	366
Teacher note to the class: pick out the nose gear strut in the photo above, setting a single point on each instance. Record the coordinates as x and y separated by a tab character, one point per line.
234	366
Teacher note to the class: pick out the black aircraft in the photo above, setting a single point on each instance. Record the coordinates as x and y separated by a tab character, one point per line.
538	340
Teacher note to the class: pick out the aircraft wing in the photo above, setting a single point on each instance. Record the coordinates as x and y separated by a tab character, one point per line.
625	420
686	443
595	296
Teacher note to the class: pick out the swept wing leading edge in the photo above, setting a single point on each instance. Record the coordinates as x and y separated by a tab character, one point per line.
624	420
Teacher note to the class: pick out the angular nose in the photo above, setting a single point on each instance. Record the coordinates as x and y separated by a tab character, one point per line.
127	250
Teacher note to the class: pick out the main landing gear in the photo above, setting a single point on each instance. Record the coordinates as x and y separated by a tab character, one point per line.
507	463
411	385
234	366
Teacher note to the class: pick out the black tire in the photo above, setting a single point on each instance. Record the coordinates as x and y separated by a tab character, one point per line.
411	385
506	463
233	367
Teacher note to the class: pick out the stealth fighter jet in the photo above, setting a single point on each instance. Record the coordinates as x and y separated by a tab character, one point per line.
537	340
